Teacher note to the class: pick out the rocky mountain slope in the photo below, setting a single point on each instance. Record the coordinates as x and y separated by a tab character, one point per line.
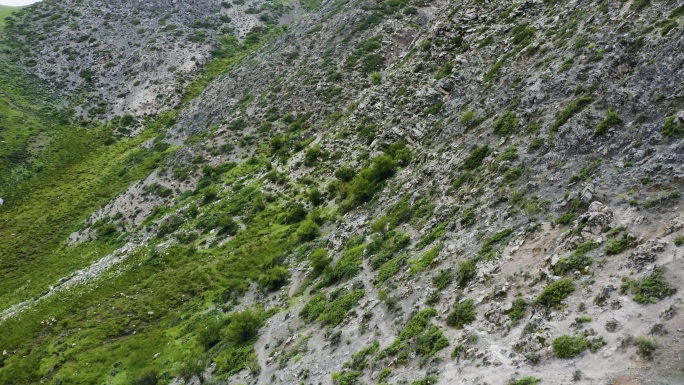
400	192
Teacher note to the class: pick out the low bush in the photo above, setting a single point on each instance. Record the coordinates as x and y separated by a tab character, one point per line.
474	160
568	347
244	326
443	279
274	278
649	289
147	376
571	110
577	261
556	292
463	314
612	119
517	311
465	273
646	347
529	380
308	230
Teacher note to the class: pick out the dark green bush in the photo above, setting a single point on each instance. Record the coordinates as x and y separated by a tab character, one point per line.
319	260
274	278
577	261
568	347
571	110
650	288
468	217
617	245
147	376
463	313
517	312
565	219
465	273
345	174
243	326
474	160
556	292
612	119
506	124
443	279
432	236
672	128
336	310
369	180
308	230
209	334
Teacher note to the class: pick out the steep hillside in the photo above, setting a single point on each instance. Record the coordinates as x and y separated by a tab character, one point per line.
5	12
113	59
403	192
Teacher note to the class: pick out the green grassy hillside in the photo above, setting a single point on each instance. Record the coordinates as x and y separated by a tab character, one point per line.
5	11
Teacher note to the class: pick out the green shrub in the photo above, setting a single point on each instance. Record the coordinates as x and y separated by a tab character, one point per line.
465	273
522	33
147	376
474	160
468	217
368	180
274	278
617	245
432	236
612	119
577	261
359	359
489	248
556	292
505	125
209	333
672	128
571	110
679	240
463	313
419	337
568	347
244	326
646	347
314	308
336	310
565	219
536	143
443	279
345	174
295	214
529	380
348	378
319	260
308	230
517	311
445	70
649	289
586	171
639	4
390	268
311	156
